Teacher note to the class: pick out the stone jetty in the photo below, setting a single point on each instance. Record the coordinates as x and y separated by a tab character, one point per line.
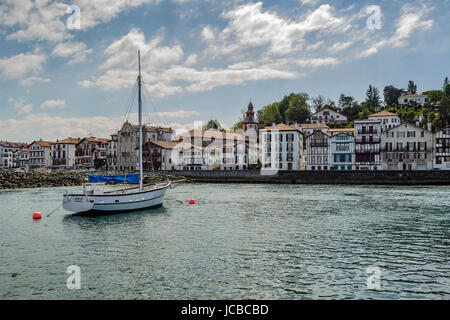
34	179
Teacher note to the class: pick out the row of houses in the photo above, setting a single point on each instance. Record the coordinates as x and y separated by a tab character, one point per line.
114	153
381	142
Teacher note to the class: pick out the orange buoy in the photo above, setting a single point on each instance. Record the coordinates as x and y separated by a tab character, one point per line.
192	201
37	216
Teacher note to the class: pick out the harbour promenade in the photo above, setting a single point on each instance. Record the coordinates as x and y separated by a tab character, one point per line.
21	180
319	177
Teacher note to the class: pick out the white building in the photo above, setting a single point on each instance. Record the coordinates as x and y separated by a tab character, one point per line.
367	144
63	153
309	128
9	153
212	150
388	119
112	152
328	116
24	159
413	98
318	151
281	148
407	147
441	159
40	154
342	150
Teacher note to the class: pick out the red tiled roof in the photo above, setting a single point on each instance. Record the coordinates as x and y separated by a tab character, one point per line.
281	127
383	114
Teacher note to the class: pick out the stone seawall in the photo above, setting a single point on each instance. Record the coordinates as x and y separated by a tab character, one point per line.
320	177
34	179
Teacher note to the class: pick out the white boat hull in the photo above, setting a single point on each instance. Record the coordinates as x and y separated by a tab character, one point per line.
119	201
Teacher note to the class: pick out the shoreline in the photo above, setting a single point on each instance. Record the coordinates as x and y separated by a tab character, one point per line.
34	180
319	177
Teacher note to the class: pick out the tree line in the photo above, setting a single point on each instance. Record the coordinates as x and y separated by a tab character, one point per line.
298	108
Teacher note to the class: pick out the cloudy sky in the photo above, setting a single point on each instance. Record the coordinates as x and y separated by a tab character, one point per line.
203	59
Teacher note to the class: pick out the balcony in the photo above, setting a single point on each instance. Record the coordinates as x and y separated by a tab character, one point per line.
367	141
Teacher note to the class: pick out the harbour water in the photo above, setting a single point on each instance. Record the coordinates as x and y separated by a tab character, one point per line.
237	242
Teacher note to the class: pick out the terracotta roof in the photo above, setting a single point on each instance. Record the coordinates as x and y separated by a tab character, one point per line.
281	127
44	143
13	144
94	139
68	141
165	144
414	95
313	126
329	109
212	134
333	132
383	114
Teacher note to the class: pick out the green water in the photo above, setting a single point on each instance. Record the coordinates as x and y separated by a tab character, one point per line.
237	242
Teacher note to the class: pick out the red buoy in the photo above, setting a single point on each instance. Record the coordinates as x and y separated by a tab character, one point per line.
37	216
192	201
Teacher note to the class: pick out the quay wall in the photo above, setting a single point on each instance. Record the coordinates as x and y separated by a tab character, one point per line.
319	177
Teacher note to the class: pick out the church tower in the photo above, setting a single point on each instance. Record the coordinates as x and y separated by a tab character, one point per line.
249	121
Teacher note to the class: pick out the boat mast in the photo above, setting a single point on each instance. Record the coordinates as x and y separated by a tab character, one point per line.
140	124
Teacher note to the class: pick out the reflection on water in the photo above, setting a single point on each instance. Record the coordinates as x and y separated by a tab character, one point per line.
238	241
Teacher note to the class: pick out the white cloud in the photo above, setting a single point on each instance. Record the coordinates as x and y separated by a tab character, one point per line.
76	50
410	21
46	20
51	104
18	66
49	127
21	106
31	80
123	52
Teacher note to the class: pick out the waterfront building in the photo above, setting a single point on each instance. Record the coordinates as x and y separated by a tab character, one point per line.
63	153
441	159
388	119
249	122
91	153
407	147
318	151
413	99
342	149
281	148
40	154
309	128
367	144
157	155
112	152
9	152
24	159
327	116
128	141
212	150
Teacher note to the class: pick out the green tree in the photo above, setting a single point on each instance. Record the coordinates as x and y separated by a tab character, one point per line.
391	95
447	90
213	125
412	87
271	114
298	111
373	100
446	83
434	96
318	103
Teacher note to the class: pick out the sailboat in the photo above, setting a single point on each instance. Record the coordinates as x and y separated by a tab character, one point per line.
93	200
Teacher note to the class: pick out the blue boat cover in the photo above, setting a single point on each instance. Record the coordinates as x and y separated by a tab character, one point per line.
123	178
